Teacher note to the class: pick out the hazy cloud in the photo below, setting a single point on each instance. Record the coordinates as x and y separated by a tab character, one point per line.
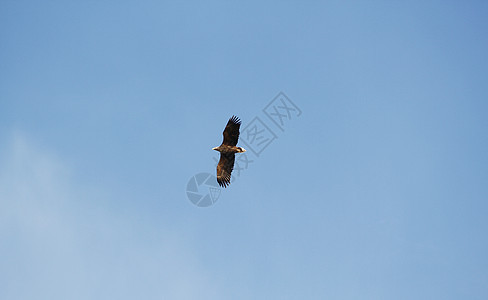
58	244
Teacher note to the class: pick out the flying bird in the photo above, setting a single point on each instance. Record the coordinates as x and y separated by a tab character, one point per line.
228	150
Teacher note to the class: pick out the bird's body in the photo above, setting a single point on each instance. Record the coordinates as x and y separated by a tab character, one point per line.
227	150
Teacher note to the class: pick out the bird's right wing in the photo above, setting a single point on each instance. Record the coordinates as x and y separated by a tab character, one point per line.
224	168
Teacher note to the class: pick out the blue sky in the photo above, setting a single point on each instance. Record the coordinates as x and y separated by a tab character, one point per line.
378	190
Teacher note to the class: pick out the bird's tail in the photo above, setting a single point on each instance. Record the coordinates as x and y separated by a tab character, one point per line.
240	150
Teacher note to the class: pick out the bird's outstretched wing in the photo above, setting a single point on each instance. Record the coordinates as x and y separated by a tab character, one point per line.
224	168
231	132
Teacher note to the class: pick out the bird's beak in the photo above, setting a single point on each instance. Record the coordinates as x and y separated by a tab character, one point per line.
214	148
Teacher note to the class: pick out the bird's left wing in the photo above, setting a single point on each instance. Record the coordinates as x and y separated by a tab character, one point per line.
231	131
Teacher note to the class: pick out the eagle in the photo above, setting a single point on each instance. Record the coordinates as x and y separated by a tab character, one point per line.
228	150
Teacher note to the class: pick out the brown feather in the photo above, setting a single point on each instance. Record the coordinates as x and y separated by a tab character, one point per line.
224	168
231	131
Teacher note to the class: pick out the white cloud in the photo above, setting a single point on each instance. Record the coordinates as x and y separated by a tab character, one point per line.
55	243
